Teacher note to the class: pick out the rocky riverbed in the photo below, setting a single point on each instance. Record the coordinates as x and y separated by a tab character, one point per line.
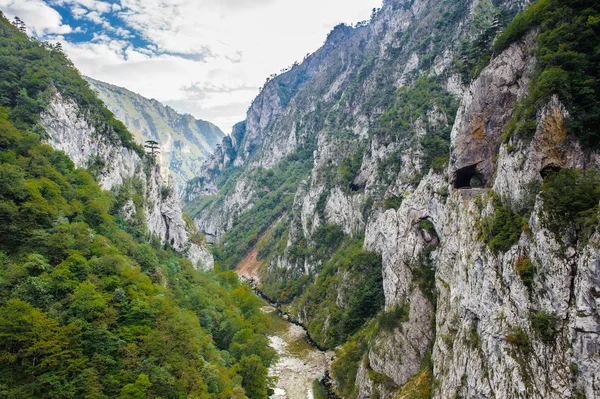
300	366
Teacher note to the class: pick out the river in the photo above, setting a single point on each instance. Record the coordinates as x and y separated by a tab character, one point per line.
301	367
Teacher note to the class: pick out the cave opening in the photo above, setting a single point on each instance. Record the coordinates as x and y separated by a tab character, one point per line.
468	177
549	170
356	187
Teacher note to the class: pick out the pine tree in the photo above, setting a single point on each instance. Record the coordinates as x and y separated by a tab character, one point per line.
152	147
20	25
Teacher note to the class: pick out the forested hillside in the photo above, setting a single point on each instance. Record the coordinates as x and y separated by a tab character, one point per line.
91	306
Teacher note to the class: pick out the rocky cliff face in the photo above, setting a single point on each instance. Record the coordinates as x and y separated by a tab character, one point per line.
185	142
69	130
520	321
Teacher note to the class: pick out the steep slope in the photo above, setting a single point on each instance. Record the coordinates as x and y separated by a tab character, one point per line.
441	196
91	304
185	142
43	92
146	200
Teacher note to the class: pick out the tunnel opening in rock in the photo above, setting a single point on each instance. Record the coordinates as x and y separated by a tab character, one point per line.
357	186
549	170
468	177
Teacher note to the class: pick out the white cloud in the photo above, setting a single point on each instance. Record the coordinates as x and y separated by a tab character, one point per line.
92	5
206	57
95	17
41	19
78	12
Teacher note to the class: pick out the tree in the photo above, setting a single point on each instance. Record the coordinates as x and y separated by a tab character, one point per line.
88	303
152	147
37	356
20	25
254	376
136	390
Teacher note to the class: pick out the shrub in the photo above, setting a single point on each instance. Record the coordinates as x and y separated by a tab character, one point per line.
502	229
544	325
394	318
393	202
526	270
571	199
519	340
426	225
440	163
424	274
473	339
349	169
345	367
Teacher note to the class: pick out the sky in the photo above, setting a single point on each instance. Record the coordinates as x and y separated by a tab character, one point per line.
207	58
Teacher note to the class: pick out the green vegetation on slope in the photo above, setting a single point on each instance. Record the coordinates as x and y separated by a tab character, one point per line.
412	103
502	229
568	64
570	198
30	71
345	268
276	189
356	274
86	309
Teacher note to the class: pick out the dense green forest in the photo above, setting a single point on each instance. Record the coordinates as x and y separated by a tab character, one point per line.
88	310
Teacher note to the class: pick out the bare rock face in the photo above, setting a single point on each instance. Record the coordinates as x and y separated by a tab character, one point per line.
68	130
399	353
483	302
485	109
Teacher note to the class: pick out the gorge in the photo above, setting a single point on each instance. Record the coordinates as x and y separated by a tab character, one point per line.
419	199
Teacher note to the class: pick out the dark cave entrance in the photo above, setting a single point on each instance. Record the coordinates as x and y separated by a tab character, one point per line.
356	187
468	177
549	170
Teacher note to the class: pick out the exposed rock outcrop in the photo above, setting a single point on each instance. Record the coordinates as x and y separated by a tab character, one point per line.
69	130
185	142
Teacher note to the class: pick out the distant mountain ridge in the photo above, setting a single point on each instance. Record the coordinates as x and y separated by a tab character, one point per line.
185	141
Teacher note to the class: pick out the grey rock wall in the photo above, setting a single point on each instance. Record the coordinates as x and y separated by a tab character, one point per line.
69	130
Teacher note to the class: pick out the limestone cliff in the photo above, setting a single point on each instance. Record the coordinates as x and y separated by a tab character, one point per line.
372	110
68	129
185	142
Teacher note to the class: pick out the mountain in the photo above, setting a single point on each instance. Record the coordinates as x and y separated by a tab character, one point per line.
422	194
103	292
185	142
